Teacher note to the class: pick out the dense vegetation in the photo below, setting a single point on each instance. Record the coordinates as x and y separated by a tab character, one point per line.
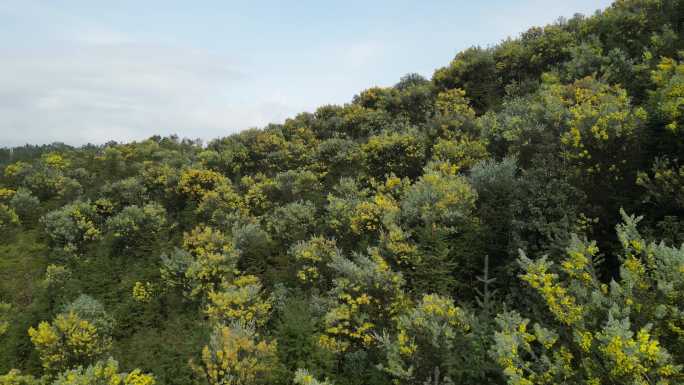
518	218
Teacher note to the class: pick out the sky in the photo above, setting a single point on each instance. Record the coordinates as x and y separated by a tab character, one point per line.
89	71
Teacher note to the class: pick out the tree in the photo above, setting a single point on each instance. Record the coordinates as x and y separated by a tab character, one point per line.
91	310
241	300
292	222
366	295
208	260
236	356
624	332
103	373
312	258
136	226
25	205
399	153
67	342
302	377
438	199
72	226
194	183
8	217
428	337
14	377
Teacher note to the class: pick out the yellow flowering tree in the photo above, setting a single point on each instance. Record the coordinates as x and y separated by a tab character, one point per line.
67	342
8	217
366	294
303	377
236	356
15	377
668	98
103	373
73	226
194	183
312	257
213	259
401	153
627	332
429	338
241	300
601	126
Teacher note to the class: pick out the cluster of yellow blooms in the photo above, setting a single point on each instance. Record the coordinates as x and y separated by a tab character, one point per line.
669	76
234	357
214	258
4	312
194	183
104	373
560	302
142	292
601	123
611	326
67	341
312	256
346	323
55	160
432	314
240	300
376	296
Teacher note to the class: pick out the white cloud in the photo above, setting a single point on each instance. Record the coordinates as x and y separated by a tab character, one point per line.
110	89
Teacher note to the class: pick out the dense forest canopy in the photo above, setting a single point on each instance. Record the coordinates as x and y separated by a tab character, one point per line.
516	219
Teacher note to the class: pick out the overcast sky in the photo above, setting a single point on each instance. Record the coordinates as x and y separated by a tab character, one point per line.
94	71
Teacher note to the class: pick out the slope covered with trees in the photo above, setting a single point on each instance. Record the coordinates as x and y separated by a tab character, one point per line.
516	219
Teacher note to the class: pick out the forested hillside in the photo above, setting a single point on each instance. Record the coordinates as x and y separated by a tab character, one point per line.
516	219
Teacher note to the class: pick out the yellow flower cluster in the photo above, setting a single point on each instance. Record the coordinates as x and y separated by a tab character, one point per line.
214	258
55	160
6	194
635	358
561	303
577	264
234	357
313	255
142	292
240	301
67	341
194	183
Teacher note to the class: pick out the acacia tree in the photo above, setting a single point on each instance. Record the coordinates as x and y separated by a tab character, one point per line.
67	342
236	356
626	332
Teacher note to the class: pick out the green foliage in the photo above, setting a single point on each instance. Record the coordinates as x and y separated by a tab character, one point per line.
603	333
5	312
402	154
293	222
103	373
428	335
25	205
67	342
355	235
135	225
72	226
8	217
89	309
235	355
